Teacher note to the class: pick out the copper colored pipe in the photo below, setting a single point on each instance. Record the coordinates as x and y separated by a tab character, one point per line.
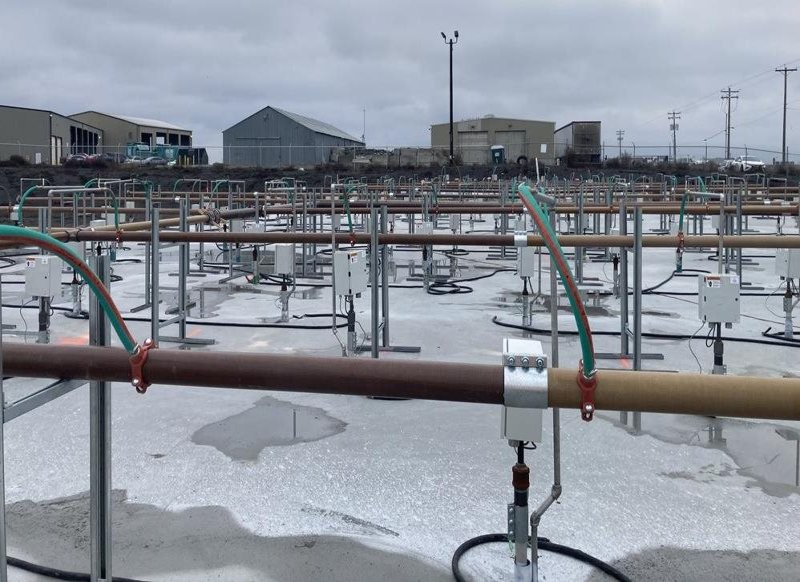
707	395
749	241
397	378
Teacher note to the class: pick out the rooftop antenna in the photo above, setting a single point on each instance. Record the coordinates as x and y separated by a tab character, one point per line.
364	127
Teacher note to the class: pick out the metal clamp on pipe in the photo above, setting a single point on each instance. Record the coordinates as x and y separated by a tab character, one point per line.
520	240
525	383
524	374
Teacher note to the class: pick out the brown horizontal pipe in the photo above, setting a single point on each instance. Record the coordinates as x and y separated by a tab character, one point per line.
737	396
363	377
647	208
754	241
705	395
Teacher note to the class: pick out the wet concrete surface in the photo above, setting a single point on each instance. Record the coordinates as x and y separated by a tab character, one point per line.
153	543
268	423
765	452
682	565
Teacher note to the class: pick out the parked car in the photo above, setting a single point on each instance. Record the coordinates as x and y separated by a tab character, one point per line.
747	164
154	161
135	161
114	158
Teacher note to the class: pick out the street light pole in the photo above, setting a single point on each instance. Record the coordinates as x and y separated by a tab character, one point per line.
451	42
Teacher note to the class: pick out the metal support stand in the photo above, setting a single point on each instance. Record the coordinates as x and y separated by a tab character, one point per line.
373	280
100	441
3	542
637	303
183	300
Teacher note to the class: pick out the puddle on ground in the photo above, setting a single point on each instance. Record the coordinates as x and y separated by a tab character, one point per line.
541	304
205	299
763	451
268	423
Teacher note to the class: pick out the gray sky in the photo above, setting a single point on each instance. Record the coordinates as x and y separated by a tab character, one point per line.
207	64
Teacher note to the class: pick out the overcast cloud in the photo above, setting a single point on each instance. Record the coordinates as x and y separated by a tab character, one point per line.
207	64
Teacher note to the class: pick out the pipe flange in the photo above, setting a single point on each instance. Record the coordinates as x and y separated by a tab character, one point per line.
520	240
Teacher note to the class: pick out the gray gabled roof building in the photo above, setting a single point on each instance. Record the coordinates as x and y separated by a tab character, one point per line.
276	138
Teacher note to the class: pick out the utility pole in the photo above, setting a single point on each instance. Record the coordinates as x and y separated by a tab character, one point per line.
451	42
364	128
673	117
620	135
727	95
785	72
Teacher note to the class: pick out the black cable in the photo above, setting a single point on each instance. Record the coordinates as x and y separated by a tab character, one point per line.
59	574
448	288
542	544
649	335
260	325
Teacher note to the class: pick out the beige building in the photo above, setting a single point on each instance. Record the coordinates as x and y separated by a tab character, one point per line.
474	139
44	137
120	130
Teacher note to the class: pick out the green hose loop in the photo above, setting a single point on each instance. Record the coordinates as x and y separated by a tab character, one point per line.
551	241
40	239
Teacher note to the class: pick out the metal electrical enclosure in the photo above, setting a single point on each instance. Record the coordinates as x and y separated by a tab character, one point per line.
351	272
526	261
718	298
284	259
42	276
787	263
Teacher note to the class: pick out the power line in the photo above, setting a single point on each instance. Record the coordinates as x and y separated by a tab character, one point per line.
620	135
785	72
727	95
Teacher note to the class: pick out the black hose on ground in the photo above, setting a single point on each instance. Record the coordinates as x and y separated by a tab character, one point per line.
542	544
260	325
651	335
57	574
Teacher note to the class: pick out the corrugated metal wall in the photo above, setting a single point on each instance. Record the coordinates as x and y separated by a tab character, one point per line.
269	139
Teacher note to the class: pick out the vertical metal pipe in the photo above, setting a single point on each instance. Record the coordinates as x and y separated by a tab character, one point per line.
3	544
386	339
147	255
154	274
183	271
739	252
100	440
579	231
637	302
373	279
623	280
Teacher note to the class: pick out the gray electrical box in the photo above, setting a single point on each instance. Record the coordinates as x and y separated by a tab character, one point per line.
42	276
787	263
351	272
718	298
455	222
284	259
526	261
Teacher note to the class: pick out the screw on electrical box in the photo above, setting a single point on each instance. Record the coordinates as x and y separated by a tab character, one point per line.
539	364
510	361
525	362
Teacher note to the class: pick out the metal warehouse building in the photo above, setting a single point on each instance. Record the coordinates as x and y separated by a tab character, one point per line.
120	130
579	141
474	138
44	137
274	138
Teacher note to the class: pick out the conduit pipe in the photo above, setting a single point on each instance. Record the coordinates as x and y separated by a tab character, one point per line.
750	241
706	395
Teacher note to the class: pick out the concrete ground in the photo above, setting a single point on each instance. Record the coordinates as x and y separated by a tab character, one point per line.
240	485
